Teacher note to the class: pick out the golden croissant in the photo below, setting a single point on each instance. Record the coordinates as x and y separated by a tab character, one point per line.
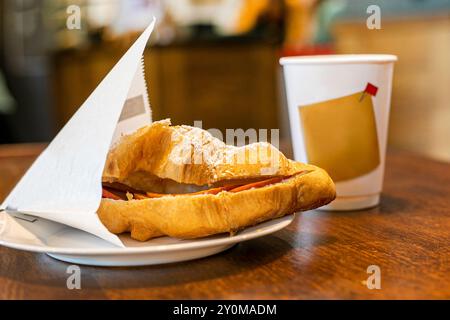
182	182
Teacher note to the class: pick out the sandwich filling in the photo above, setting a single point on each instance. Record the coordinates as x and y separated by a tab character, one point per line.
117	191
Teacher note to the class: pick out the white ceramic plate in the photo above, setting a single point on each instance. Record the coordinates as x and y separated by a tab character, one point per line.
75	246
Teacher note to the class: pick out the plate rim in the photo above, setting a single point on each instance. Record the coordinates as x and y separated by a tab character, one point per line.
282	223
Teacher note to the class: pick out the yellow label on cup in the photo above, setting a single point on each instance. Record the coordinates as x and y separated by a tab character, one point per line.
341	135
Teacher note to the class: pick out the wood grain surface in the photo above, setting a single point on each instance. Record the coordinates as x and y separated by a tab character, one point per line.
320	255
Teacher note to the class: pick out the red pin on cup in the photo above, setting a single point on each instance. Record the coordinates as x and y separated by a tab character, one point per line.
370	89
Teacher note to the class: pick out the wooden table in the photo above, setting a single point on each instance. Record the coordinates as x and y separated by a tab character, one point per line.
320	255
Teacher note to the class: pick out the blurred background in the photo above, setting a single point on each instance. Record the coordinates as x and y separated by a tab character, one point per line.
217	60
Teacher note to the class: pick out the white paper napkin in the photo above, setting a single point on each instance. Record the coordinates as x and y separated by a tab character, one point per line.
64	183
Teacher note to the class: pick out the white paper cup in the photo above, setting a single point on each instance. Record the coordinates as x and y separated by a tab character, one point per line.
339	113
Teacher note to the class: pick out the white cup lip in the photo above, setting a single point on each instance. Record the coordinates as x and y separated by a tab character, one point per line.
339	59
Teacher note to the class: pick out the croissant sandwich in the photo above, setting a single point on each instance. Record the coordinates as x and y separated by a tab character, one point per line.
182	182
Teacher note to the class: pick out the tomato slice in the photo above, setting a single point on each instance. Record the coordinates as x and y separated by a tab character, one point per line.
258	184
109	195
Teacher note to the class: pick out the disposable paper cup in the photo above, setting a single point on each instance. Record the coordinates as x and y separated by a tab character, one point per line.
339	112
